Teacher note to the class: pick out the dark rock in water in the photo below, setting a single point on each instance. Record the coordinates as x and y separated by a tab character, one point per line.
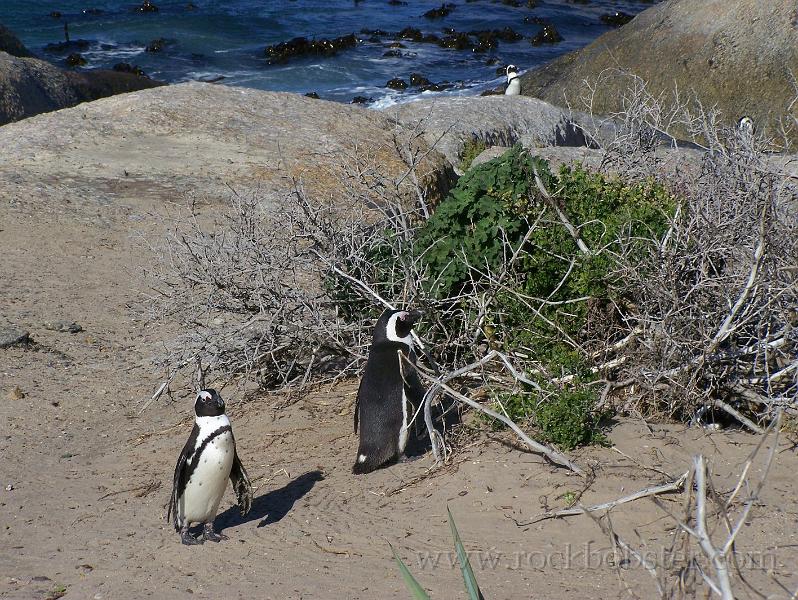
156	45
392	54
417	80
439	13
12	336
313	95
501	70
616	19
68	46
397	3
435	87
491	61
75	60
458	41
362	100
191	6
124	67
410	33
535	20
532	3
377	32
92	11
147	7
513	3
55	14
547	35
508	34
486	40
396	45
10	43
397	84
430	38
301	46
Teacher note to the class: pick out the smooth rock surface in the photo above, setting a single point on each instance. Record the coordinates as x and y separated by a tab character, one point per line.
739	56
448	123
195	139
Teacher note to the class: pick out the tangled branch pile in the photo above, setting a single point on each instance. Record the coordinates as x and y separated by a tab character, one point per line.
669	293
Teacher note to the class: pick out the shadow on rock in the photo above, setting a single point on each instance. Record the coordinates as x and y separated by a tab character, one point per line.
272	506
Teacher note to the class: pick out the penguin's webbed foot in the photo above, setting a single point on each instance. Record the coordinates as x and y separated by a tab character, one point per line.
189	540
210	535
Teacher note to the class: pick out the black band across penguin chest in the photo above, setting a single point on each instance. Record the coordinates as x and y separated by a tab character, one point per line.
193	460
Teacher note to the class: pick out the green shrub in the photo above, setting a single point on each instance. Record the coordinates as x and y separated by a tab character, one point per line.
497	204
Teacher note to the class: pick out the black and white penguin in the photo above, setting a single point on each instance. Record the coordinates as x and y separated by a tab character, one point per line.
207	461
513	83
389	394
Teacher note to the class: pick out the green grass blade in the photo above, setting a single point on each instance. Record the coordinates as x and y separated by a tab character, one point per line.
410	581
465	565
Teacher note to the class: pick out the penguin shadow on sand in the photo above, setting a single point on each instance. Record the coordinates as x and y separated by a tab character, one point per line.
272	506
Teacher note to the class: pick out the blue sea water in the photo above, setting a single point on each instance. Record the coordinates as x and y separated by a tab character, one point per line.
225	40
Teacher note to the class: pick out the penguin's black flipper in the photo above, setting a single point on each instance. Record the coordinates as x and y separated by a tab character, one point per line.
241	485
181	476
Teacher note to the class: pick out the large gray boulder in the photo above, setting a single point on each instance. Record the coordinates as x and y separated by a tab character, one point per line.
739	55
195	139
29	86
449	123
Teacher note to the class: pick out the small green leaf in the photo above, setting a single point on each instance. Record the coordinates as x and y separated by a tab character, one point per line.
465	565
410	581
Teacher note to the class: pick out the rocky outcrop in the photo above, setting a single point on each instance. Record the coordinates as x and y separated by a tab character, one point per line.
164	144
738	56
10	43
494	120
29	86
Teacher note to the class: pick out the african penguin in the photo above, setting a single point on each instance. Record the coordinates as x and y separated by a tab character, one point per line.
746	126
513	83
207	461
390	392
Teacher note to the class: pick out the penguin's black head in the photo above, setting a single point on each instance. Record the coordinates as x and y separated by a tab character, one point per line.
512	72
395	326
209	404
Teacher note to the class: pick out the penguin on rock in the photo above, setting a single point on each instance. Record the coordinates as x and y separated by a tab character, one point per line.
513	83
207	461
390	392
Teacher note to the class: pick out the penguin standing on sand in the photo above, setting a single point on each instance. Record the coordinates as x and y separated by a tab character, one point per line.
207	461
389	392
513	83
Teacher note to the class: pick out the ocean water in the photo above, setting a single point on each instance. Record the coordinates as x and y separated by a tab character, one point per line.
224	41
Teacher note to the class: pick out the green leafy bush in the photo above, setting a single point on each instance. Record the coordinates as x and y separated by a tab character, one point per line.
567	419
555	299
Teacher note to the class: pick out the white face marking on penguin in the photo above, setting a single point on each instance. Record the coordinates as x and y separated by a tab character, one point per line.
512	73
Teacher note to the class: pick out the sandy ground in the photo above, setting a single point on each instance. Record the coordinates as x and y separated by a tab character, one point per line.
85	478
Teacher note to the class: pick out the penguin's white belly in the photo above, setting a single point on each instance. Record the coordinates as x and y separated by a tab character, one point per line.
205	488
513	88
